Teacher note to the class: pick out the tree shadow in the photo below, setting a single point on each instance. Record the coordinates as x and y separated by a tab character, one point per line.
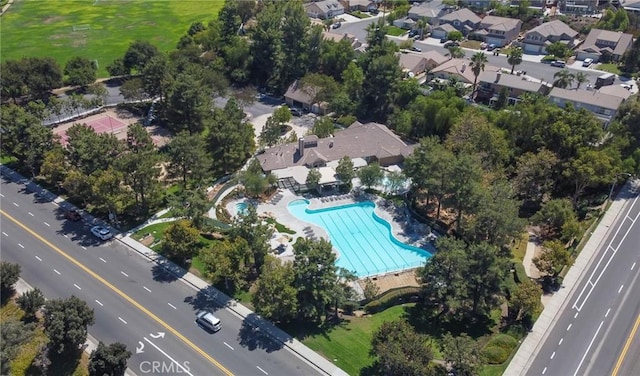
6	295
427	320
257	333
64	364
205	299
164	270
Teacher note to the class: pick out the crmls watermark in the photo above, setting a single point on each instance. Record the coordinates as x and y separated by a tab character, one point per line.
157	367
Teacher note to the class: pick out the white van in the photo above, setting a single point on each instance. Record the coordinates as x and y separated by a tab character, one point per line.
208	321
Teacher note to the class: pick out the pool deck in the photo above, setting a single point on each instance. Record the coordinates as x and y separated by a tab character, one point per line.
403	228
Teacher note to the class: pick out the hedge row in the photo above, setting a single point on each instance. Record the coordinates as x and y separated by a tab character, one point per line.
391	298
499	348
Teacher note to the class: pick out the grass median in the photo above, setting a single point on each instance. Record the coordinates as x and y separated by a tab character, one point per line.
97	29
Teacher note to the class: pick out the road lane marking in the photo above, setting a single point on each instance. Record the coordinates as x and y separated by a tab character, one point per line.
126	297
607	314
124	274
569	327
101	305
553	355
65	235
229	346
560	343
1	195
633	266
57	272
544	370
169	357
588	349
83	247
103	260
172	306
16	205
263	371
20	245
38	258
4	233
145	287
623	353
120	318
48	225
576	315
78	287
31	214
620	289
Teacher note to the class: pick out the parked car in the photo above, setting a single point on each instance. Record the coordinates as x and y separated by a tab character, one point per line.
413	33
483	46
208	321
451	43
336	25
416	49
491	47
587	62
558	64
444	40
374	11
295	111
101	232
72	215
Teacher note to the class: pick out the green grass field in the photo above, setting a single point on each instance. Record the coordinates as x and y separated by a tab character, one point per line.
104	28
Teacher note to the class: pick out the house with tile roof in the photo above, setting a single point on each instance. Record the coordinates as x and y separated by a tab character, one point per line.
324	9
463	20
537	39
441	31
601	103
610	44
361	5
491	83
357	45
458	69
498	30
304	97
414	64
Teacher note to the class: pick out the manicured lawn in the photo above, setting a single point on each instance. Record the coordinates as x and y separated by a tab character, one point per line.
359	14
46	28
472	44
611	68
347	346
395	31
520	248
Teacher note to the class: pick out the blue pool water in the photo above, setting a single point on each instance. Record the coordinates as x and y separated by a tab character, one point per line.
363	239
241	207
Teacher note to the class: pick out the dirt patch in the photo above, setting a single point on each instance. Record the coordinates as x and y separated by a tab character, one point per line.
394	280
52	19
147	240
79	42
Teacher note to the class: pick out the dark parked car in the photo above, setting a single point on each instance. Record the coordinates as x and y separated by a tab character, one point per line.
336	25
72	215
444	40
295	111
374	11
451	43
491	47
416	49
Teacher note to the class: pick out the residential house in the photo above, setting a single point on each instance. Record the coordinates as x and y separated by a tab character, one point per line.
337	37
360	5
324	9
610	44
441	31
537	39
479	5
305	98
415	64
578	6
500	31
599	102
536	4
462	20
404	23
428	11
363	143
457	69
491	84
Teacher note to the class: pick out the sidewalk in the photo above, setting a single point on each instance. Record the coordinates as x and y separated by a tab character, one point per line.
21	287
558	302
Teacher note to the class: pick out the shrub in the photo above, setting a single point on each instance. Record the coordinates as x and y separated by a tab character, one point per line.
495	354
391	298
349	306
503	341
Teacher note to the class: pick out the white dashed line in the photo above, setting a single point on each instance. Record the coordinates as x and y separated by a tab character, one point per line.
4	233
38	258
31	214
1	195
560	343
101	305
16	205
20	245
544	370
124	274
576	315
607	314
229	346
633	266
78	287
263	371
120	318
145	287
172	306
553	355
57	272
569	327
48	225
103	260
83	247
65	235
620	289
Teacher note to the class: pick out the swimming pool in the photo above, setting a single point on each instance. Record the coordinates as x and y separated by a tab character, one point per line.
364	241
241	207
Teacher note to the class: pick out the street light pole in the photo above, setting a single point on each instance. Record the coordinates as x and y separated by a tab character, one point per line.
628	175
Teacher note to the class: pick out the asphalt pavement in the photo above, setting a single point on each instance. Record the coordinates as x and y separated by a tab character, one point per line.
585	325
136	302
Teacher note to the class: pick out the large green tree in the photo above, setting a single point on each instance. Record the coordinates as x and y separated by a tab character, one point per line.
478	62
138	55
226	261
189	103
66	322
553	258
231	138
254	180
370	175
255	231
525	299
109	360
514	57
9	275
188	158
80	71
274	295
345	171
180	240
400	350
462	354
535	174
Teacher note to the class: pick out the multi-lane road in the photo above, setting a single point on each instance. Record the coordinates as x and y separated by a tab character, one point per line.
135	301
594	334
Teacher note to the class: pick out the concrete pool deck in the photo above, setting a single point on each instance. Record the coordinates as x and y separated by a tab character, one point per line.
403	228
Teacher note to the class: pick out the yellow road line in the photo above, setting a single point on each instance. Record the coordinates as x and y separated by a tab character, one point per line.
626	347
122	294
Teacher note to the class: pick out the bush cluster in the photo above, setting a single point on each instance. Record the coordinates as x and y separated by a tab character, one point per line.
499	348
391	298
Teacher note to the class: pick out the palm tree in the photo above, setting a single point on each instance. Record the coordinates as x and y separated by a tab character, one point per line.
514	57
563	78
581	78
456	52
478	61
421	24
